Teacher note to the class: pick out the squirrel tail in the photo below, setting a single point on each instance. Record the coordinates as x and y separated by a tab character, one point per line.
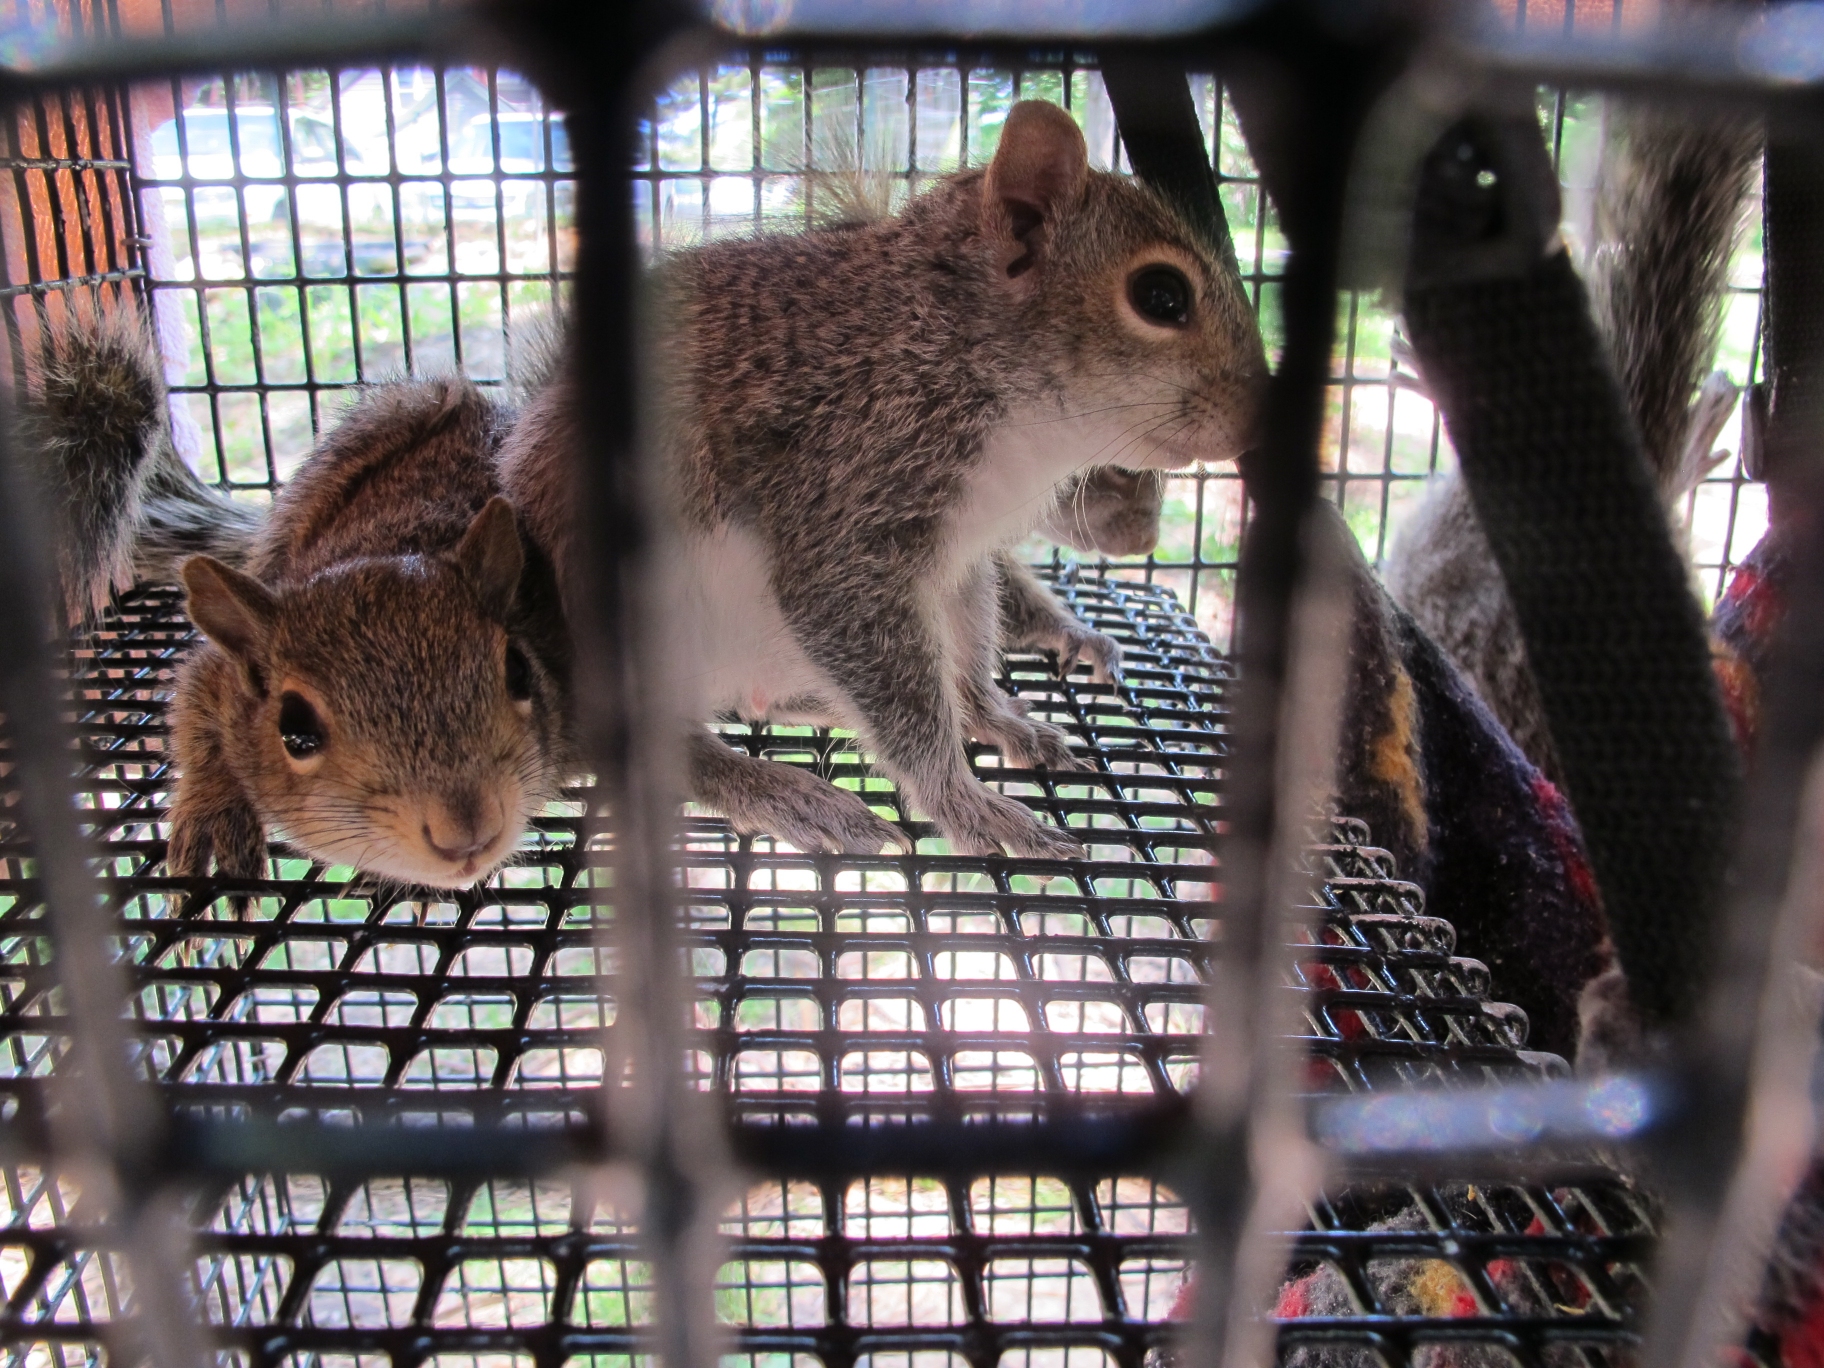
1667	213
180	517
95	436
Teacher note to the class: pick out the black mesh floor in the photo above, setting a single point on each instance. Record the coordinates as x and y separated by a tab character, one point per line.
858	990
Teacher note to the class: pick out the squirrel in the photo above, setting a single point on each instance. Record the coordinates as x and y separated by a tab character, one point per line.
855	420
383	675
859	420
1668	201
1106	511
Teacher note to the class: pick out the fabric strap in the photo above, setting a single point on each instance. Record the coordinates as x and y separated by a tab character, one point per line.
1613	633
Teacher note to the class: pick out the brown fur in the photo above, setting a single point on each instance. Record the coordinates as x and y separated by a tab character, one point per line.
1106	511
836	403
1033	619
386	589
1109	512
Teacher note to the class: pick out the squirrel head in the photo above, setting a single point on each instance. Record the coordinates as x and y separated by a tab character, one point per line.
388	714
1151	344
1109	511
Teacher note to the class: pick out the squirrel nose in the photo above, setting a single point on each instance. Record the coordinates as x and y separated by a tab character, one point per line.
459	835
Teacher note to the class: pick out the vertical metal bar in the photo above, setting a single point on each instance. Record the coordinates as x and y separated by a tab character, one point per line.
1301	128
1744	1139
107	1123
625	719
355	331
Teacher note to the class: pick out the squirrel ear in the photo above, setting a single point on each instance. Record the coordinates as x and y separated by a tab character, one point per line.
234	610
490	555
1039	169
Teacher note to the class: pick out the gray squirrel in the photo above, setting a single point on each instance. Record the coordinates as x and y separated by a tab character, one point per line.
856	420
1669	196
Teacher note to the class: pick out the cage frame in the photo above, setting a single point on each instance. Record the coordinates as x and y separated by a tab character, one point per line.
617	56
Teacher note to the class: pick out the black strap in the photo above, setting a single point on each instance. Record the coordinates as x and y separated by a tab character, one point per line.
1164	140
1793	323
1614	636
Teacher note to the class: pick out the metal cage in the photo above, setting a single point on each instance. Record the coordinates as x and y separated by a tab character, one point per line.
658	1090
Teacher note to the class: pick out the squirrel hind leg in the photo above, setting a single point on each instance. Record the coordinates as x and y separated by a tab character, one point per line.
760	796
1023	741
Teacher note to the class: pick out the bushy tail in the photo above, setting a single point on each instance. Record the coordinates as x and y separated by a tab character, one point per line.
537	347
96	438
1667	212
183	517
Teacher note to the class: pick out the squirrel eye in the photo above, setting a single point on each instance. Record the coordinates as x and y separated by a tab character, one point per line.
519	675
300	729
1161	294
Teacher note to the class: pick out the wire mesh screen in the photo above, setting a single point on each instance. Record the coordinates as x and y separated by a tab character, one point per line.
871	991
305	231
311	230
769	143
67	218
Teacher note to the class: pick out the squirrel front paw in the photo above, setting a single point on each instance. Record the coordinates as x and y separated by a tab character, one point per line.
990	823
227	831
1102	652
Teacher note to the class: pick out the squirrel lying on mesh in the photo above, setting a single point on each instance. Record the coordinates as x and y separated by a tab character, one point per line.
384	675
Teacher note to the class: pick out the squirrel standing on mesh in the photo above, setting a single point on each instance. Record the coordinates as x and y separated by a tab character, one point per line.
854	421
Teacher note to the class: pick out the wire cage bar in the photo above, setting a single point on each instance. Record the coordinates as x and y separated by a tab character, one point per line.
543	1065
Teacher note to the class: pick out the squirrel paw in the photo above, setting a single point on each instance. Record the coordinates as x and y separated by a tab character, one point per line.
229	834
994	822
816	816
1102	652
1027	743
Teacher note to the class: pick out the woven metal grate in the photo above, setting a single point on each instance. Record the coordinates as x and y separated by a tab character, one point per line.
829	989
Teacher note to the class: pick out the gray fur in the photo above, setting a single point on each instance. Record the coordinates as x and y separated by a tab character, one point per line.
180	517
1442	571
830	396
97	437
89	436
1667	213
1033	618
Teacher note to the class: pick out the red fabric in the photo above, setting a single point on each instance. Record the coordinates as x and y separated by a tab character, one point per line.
1566	843
1347	1021
1294	1300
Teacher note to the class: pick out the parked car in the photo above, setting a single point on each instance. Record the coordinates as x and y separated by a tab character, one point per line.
256	128
522	152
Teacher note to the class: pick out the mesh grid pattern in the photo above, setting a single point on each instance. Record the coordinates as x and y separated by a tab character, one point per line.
828	988
381	232
312	230
768	143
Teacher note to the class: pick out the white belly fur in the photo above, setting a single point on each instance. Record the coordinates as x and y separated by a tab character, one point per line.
739	653
1015	483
